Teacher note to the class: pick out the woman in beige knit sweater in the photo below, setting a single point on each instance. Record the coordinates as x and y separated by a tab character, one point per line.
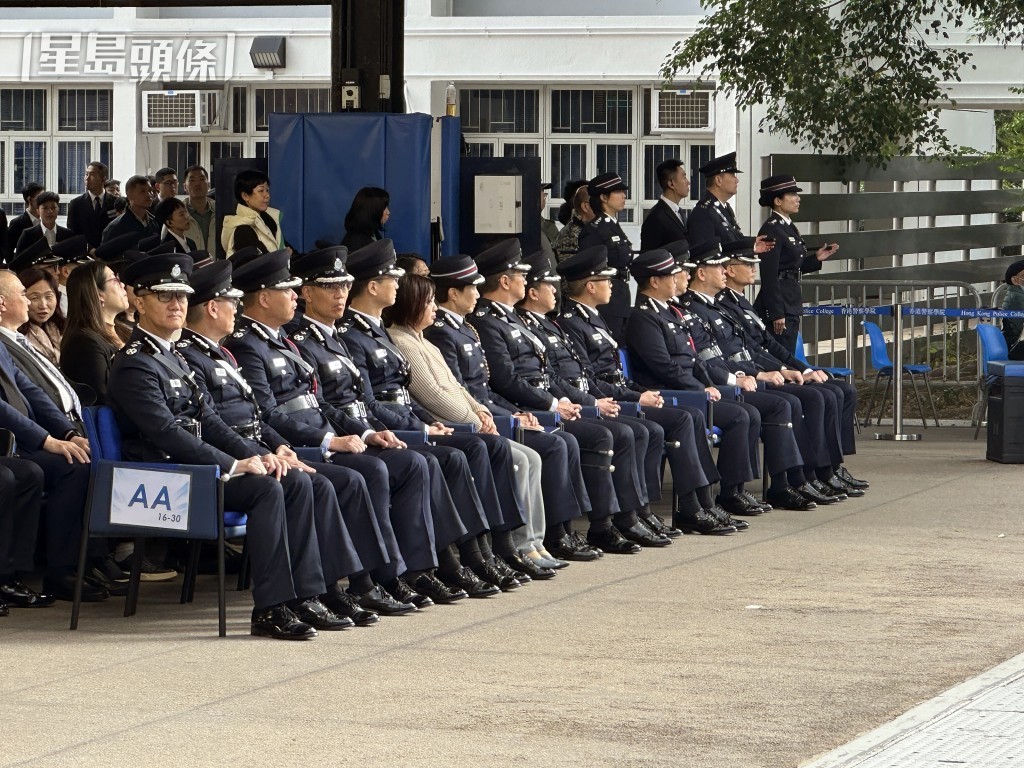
433	386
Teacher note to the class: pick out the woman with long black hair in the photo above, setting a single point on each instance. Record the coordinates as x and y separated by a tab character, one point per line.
366	218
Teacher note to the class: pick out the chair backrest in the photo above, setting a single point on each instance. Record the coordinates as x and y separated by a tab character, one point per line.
107	439
624	361
876	340
799	353
993	345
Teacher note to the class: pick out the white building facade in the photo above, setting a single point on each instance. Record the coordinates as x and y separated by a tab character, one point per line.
578	89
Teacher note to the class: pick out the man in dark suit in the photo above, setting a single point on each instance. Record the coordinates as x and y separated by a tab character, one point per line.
91	212
48	206
44	436
666	223
29	218
137	217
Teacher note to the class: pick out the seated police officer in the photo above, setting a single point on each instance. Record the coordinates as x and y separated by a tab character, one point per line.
781	414
211	317
814	412
741	272
569	379
587	288
520	373
565	496
662	356
420	499
385	373
163	416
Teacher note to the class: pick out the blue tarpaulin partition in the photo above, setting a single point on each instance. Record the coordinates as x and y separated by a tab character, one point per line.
319	162
451	155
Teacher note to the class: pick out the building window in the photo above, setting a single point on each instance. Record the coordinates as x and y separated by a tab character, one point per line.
262	148
655	155
29	163
568	162
224	149
521	150
592	111
3	168
616	158
72	158
481	149
239	109
22	109
106	156
182	154
699	154
499	110
290	100
84	109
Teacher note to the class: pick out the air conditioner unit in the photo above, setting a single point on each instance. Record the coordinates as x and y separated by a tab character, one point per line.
183	111
680	109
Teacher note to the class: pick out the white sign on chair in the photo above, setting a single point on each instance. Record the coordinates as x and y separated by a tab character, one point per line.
150	499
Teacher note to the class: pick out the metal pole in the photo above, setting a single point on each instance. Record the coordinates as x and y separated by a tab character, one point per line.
897	378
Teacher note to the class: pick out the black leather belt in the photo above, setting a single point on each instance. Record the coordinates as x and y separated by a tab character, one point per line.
543	382
191	426
250	431
581	384
400	396
613	378
790	274
742	356
301	403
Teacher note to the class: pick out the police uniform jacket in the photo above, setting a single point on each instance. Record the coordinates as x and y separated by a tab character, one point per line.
781	268
84	219
460	347
158	403
663	354
606	231
712	218
570	376
721	343
218	375
384	370
341	383
516	358
286	386
754	329
592	339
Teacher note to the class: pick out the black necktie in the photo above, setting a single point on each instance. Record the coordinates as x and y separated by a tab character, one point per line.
95	203
682	215
12	394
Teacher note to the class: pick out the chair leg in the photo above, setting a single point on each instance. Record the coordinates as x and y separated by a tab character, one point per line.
871	402
920	405
188	586
83	547
931	400
885	397
132	601
244	569
983	413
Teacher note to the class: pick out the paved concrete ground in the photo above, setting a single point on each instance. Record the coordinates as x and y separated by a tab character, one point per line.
766	648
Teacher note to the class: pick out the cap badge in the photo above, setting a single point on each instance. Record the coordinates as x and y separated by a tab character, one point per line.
338	265
175	271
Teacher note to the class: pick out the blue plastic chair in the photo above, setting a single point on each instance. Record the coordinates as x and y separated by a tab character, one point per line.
207	520
993	348
839	373
882	364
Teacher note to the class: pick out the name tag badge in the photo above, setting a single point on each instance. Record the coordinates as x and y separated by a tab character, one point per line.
468	347
380	353
673	326
792	239
615	238
176	383
553	340
334	365
220	371
597	337
279	362
515	334
718	321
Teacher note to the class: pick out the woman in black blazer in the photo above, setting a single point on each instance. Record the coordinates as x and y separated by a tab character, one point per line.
95	297
365	220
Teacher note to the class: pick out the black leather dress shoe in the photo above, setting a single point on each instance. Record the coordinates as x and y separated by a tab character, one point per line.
403	593
486	572
850	480
63	588
701	522
788	498
764	505
342	603
280	623
812	493
839	494
505	570
428	584
319	616
644	536
469	582
739	506
581	542
657	525
837	483
379	601
611	541
526	567
566	549
17	594
726	519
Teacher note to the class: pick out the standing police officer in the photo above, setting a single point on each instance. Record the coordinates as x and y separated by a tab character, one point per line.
607	198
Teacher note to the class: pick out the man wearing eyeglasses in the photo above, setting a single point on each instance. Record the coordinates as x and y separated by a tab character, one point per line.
166	185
